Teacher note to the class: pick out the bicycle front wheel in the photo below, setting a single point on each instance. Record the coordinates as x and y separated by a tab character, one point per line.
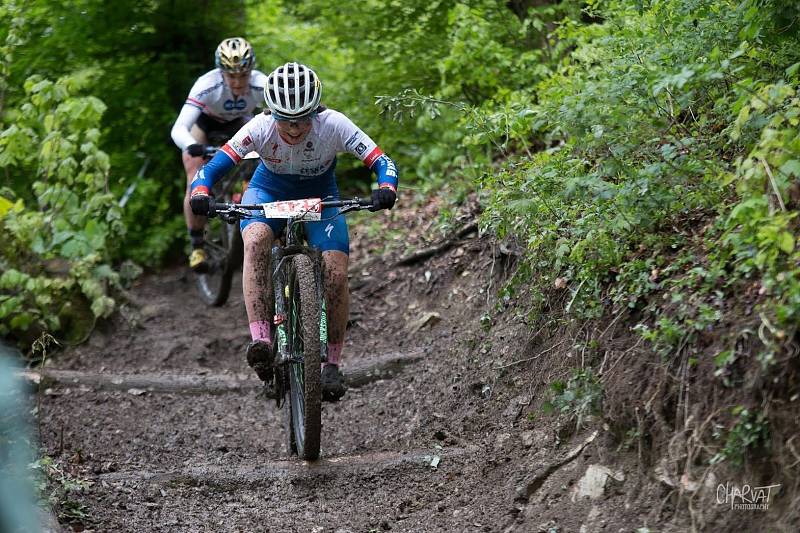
303	331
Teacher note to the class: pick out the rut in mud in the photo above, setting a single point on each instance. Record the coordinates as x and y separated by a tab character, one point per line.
440	431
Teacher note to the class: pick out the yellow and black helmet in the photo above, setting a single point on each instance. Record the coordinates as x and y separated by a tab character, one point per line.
234	55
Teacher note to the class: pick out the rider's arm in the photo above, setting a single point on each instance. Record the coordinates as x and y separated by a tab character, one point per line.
385	169
211	172
228	156
181	130
363	147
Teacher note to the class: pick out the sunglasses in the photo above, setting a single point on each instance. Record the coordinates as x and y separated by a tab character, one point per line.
293	121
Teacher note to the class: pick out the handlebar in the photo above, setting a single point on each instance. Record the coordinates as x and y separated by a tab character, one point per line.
232	212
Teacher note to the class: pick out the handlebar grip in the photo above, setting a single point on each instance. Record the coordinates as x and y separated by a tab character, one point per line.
212	207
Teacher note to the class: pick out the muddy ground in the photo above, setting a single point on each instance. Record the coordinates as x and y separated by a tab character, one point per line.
161	415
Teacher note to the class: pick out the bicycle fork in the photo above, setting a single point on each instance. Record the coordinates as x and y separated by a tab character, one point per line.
281	290
323	315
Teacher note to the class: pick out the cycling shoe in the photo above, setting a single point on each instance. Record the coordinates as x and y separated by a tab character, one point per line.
332	381
259	357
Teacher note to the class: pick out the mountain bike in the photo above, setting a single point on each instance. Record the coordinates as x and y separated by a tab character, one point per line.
223	243
300	316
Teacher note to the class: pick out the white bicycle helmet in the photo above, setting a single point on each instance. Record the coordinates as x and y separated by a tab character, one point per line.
234	55
292	91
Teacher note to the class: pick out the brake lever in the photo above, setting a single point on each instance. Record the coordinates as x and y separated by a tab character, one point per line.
229	217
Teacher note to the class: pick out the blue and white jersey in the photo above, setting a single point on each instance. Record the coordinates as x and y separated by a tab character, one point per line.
306	167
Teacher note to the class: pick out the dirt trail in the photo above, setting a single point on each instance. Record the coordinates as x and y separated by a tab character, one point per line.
161	414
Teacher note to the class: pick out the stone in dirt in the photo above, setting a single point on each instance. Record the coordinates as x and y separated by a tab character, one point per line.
535	437
593	483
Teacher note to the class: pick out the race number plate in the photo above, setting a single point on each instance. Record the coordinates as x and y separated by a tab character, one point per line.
307	209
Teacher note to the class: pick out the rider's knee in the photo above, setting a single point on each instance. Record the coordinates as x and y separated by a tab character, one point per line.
257	239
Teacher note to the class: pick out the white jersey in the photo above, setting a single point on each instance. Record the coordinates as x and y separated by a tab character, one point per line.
331	133
212	96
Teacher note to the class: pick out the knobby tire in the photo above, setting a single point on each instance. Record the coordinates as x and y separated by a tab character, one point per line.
305	400
225	248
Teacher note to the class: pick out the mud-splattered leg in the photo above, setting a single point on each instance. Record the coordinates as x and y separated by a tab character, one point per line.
337	297
257	278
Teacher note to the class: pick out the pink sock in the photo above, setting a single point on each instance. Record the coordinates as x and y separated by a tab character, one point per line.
334	352
261	330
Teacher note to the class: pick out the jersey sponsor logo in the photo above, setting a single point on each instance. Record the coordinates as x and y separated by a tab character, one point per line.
210	89
352	140
311	172
247	141
361	148
273	160
391	170
329	229
230	105
238	147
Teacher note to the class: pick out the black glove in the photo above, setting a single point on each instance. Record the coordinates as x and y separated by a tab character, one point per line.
383	199
201	204
196	150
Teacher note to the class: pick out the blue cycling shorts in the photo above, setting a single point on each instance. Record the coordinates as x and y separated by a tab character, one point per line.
326	235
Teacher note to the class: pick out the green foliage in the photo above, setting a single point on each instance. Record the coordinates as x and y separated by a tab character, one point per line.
750	431
664	117
57	486
143	56
87	98
578	398
467	65
75	223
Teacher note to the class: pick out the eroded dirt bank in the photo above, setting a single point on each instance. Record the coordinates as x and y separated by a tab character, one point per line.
161	414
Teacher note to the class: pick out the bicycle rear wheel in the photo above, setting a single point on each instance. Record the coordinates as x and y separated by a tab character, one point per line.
224	249
303	331
224	246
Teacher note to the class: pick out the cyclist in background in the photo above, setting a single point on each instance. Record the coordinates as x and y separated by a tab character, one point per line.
298	140
221	100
